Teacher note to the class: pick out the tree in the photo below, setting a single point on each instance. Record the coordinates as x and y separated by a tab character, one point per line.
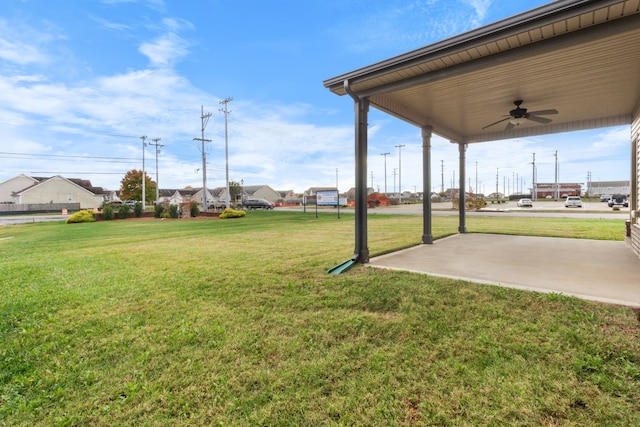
235	190
131	187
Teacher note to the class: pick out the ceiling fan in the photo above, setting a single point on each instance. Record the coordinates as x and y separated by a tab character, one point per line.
518	116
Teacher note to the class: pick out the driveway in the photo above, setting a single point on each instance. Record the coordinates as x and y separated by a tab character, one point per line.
605	271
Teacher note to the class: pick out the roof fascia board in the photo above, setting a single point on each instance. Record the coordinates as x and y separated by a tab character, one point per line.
535	18
610	28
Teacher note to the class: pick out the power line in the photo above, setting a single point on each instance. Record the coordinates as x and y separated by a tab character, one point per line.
28	155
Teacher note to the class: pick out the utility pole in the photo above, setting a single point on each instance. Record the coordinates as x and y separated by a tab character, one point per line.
155	143
477	192
372	180
226	112
399	147
534	193
497	182
441	176
204	120
143	138
385	172
556	183
395	172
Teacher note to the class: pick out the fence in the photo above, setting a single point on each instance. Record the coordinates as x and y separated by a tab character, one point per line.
11	208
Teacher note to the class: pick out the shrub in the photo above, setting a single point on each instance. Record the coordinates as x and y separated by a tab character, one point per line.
158	210
123	211
107	212
232	213
173	211
137	210
81	216
194	210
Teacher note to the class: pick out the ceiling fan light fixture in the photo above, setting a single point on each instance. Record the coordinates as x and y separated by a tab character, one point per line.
517	121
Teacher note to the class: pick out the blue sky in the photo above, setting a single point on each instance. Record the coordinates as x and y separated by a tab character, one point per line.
82	80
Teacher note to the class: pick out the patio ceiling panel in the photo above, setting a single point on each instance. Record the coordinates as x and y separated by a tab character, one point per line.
579	57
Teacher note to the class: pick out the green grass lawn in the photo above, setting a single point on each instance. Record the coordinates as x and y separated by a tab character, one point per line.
235	322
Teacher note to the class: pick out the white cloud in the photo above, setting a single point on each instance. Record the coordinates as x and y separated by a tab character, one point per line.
481	8
165	50
612	138
22	45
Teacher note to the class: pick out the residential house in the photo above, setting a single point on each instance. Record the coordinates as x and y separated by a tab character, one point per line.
254	192
351	194
13	185
184	195
56	190
289	198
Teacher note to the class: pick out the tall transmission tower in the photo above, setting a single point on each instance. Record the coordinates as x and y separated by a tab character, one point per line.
155	143
204	119
143	138
226	112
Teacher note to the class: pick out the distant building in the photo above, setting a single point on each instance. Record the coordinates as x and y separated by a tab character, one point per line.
557	191
28	190
598	188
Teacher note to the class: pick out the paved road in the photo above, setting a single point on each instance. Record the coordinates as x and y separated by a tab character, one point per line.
549	209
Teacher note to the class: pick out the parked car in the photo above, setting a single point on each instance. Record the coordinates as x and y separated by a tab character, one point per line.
605	197
525	203
218	205
573	201
618	199
257	204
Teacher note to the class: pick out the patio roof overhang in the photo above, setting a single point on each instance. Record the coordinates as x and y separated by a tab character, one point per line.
581	58
578	60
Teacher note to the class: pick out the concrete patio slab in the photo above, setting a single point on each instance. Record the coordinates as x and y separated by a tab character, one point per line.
605	271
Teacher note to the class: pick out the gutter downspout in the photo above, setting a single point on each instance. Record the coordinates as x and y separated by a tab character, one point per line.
361	107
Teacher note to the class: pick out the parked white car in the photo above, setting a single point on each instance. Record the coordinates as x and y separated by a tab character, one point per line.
573	201
525	203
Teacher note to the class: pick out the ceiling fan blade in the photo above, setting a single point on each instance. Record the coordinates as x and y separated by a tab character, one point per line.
509	126
544	112
495	123
538	119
